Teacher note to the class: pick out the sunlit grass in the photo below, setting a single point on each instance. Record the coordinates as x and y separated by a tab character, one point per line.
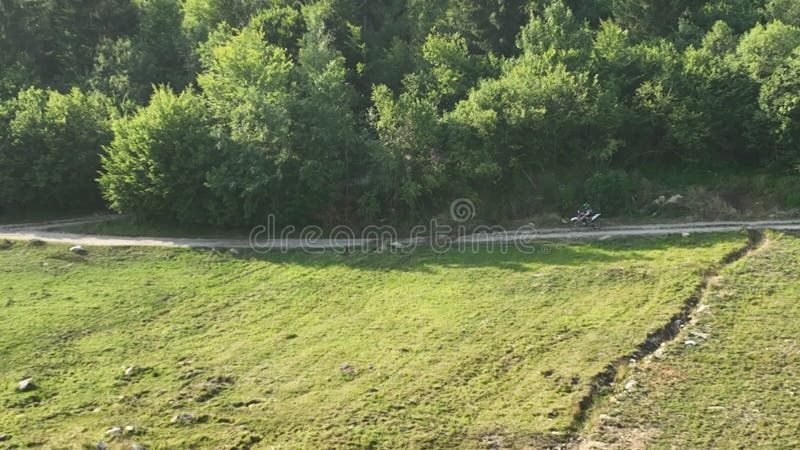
311	351
739	387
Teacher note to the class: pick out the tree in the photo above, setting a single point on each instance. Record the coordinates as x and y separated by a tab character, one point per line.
283	26
126	68
535	117
409	165
50	148
765	47
786	11
165	49
201	17
246	85
780	101
115	72
158	164
54	40
557	29
324	130
652	18
452	68
718	88
488	27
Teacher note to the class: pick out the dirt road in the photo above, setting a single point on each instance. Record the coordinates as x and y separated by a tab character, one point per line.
45	231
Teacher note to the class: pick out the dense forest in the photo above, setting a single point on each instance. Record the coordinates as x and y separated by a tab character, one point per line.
220	111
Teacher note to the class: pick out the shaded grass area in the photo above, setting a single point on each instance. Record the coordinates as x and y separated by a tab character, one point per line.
128	226
739	386
8	217
296	350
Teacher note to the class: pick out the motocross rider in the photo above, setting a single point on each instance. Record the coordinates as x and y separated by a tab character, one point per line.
585	212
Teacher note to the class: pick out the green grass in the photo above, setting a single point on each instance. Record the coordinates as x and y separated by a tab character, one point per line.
740	386
317	351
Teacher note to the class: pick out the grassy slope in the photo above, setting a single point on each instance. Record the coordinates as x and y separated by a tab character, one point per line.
444	350
740	387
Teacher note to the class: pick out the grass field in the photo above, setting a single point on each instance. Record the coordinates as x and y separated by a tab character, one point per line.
294	350
739	386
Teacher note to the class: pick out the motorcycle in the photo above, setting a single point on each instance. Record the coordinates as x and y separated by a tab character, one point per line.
585	221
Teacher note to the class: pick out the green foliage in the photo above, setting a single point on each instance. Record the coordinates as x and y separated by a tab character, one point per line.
780	101
451	65
611	192
409	165
324	129
324	106
54	40
488	27
246	87
166	51
282	25
201	17
724	96
557	29
786	11
532	97
652	17
765	47
50	145
159	160
116	64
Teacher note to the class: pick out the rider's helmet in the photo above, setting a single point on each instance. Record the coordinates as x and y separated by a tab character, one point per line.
586	205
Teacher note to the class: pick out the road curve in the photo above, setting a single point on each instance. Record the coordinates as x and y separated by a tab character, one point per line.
44	232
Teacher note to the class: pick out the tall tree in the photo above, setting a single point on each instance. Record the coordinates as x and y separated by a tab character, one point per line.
246	86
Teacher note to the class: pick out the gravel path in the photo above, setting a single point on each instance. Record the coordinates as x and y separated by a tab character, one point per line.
44	231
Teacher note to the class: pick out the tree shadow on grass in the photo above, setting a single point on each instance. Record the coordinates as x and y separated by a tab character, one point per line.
538	255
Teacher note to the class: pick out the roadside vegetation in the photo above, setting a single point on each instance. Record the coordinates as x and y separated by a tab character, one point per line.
199	348
208	112
731	379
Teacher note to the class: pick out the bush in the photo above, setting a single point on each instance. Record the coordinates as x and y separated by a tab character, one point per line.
50	146
158	162
611	192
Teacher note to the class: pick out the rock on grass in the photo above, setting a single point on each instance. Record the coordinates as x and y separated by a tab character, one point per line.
182	418
78	250
26	385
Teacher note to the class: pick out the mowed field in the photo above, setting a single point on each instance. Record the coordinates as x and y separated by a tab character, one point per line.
205	349
731	379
